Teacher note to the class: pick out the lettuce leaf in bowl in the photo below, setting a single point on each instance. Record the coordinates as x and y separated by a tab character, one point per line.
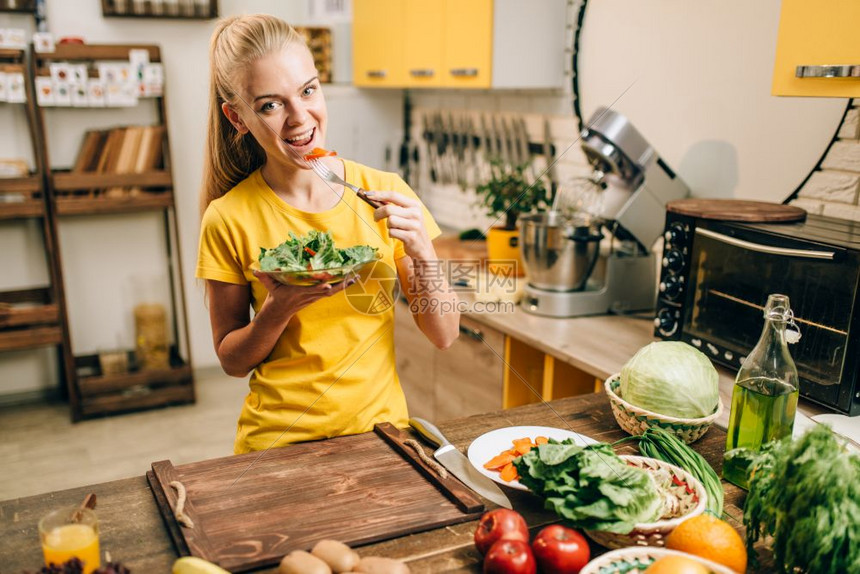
590	486
313	251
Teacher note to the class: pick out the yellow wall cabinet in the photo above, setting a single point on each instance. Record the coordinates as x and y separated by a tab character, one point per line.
458	43
820	33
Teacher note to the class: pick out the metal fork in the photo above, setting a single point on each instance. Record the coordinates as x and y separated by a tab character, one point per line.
324	172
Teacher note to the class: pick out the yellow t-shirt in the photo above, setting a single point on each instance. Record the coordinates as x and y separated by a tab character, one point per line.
332	371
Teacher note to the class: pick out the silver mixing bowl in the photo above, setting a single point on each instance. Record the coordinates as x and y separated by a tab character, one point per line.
558	254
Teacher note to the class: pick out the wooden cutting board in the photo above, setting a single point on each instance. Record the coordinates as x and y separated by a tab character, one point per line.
737	210
250	510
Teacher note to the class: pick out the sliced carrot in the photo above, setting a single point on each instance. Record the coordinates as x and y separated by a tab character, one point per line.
501	460
319	152
541	440
523	445
509	473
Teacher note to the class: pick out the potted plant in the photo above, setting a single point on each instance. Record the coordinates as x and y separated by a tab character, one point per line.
505	196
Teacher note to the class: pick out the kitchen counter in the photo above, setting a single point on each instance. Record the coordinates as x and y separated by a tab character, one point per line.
598	345
133	532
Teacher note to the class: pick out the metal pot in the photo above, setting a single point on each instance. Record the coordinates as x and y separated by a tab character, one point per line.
558	254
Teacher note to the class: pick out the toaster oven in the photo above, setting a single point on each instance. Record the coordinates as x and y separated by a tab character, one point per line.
715	279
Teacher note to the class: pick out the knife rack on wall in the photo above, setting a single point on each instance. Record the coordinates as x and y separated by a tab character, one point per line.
458	150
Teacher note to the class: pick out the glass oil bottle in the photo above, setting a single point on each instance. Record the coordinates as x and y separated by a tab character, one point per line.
764	399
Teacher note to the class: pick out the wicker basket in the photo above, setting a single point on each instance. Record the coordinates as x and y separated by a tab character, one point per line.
692	496
637	560
636	420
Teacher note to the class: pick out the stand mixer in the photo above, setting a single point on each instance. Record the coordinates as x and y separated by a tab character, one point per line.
569	273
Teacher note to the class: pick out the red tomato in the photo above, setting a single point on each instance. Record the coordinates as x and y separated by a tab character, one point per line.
560	550
498	524
510	557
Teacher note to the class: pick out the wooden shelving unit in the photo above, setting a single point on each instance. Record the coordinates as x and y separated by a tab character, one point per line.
22	197
106	394
157	186
73	193
34	317
170	9
320	44
18	6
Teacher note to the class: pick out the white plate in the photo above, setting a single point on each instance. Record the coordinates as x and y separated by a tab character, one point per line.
492	443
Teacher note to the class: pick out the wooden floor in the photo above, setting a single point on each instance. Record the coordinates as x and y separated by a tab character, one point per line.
42	451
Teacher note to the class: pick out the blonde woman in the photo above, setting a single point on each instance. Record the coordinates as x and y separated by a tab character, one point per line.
320	367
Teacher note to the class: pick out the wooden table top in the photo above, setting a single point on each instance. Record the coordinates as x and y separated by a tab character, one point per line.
133	532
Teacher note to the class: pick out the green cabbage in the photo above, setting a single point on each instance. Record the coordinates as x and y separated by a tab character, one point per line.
671	378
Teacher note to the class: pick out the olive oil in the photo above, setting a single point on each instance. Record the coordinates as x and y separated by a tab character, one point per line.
762	410
764	399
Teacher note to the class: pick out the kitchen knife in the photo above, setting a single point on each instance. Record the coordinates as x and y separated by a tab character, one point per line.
523	145
472	166
458	465
429	138
498	139
550	158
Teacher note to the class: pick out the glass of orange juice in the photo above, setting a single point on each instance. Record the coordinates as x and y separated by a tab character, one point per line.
71	533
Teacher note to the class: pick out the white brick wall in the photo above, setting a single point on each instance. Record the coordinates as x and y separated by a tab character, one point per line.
835	186
834	191
850	129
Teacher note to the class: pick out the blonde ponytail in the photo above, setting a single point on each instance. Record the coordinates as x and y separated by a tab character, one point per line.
237	41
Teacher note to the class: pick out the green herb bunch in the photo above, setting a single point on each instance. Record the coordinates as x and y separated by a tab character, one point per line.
508	193
590	486
806	495
315	250
663	445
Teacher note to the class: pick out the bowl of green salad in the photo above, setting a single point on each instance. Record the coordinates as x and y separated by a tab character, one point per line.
313	259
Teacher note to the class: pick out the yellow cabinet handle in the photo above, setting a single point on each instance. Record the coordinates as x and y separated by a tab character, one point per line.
376	73
464	72
422	73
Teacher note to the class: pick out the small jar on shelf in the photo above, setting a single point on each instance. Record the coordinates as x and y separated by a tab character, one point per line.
152	346
113	361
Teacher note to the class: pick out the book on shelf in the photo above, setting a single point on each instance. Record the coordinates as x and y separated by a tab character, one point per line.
127	149
88	155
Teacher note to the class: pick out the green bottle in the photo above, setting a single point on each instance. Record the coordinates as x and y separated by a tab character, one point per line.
764	399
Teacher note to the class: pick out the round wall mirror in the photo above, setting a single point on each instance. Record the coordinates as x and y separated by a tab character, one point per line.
695	80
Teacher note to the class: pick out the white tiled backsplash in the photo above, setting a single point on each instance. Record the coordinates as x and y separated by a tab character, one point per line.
834	190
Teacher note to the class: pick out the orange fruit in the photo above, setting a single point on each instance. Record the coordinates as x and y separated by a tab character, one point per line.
711	538
676	565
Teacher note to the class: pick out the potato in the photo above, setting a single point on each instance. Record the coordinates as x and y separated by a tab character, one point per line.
300	562
339	556
378	565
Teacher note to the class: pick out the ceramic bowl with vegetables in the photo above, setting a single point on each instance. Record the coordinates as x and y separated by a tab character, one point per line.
670	385
618	500
638	560
681	497
313	259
